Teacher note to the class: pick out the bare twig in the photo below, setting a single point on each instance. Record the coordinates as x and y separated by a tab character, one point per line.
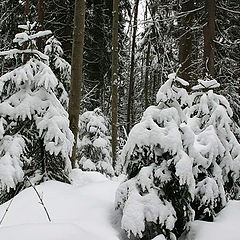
228	10
5	213
40	198
10	203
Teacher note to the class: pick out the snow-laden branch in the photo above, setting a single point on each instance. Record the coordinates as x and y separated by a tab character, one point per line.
11	53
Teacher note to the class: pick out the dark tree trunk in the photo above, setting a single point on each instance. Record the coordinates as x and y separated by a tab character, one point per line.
26	10
186	41
154	77
146	87
26	18
40	13
115	79
132	67
209	34
77	72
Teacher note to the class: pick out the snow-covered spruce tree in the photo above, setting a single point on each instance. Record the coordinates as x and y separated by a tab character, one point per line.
60	67
209	140
156	198
94	147
35	139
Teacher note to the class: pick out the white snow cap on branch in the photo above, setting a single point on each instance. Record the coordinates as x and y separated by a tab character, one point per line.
28	26
206	84
170	90
29	34
13	52
23	37
159	237
11	150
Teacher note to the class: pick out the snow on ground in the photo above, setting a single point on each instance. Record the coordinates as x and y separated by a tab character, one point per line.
84	211
225	226
81	211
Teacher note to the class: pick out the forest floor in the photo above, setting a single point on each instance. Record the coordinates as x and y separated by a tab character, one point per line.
226	226
85	211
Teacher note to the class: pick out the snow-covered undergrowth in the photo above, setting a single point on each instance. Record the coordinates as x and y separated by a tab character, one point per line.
85	210
81	211
94	146
182	162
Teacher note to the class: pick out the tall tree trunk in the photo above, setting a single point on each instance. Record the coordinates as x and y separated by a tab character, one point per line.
39	42
115	79
154	77
146	87
77	72
185	42
132	67
26	18
26	10
209	34
67	28
40	13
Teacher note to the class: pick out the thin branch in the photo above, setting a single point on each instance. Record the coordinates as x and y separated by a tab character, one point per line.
10	203
5	213
181	14
228	10
40	198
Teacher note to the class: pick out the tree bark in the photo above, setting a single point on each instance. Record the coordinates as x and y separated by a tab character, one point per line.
146	87
26	10
40	13
132	67
209	34
115	79
185	42
77	73
26	57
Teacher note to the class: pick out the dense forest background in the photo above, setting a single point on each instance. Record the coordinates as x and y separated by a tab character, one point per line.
84	82
169	34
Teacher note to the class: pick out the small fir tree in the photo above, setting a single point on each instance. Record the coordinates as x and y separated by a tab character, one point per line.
156	197
60	67
94	147
34	129
184	153
209	140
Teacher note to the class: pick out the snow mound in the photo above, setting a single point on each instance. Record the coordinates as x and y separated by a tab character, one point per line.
83	210
53	231
225	226
80	178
